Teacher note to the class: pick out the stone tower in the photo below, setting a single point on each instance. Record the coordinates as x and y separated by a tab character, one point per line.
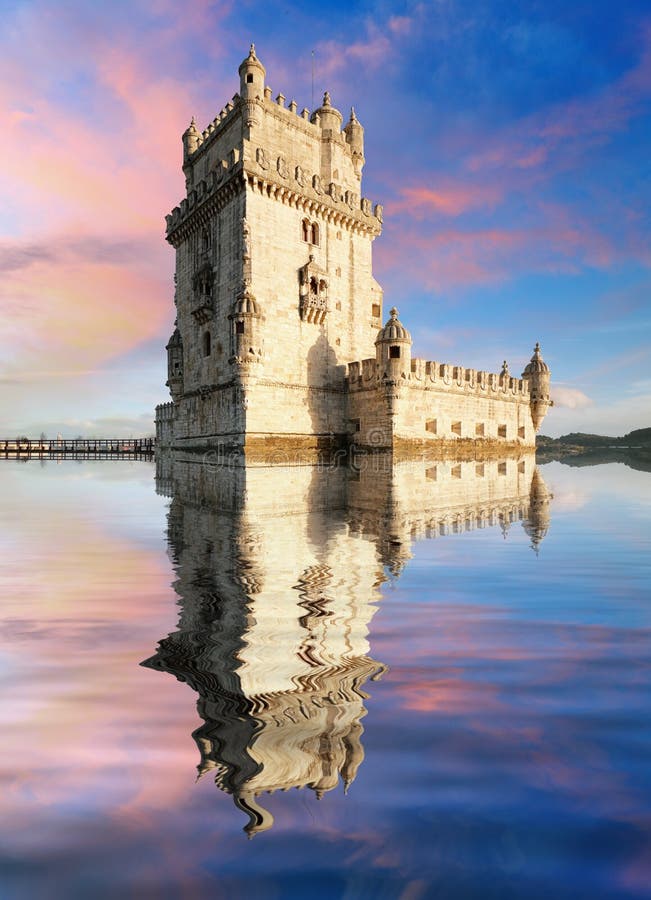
274	285
279	352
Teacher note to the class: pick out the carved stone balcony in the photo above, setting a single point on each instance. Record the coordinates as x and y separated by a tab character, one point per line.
313	308
203	310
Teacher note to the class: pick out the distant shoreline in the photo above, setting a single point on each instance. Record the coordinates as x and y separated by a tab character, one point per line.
579	449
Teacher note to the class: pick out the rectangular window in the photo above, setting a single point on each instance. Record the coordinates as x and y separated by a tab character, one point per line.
501	469
431	473
376	311
480	429
521	431
521	467
355	424
430	426
501	431
479	470
456	428
394	352
455	472
239	328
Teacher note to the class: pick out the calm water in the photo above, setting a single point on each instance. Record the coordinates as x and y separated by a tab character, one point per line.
468	651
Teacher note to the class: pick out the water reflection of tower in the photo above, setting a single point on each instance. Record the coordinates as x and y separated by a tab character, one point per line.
405	501
537	521
278	571
276	597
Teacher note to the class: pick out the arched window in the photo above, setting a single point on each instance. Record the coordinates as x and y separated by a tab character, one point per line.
315	234
314	285
305	226
206	343
323	287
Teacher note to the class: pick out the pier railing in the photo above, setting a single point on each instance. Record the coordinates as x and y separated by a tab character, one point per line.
79	448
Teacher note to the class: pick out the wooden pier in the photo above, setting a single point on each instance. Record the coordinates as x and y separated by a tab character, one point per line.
78	448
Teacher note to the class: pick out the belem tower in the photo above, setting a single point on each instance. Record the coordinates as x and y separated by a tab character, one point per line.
279	344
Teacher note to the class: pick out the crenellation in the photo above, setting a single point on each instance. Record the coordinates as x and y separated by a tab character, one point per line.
278	312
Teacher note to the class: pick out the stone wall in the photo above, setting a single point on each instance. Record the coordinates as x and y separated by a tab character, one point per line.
437	403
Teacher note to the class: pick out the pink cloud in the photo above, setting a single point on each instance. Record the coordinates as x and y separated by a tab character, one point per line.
553	238
449	198
374	51
80	314
71	180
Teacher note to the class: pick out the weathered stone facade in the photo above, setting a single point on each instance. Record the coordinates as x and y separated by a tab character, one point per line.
276	299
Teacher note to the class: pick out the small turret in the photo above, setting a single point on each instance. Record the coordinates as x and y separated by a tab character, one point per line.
190	140
329	118
538	375
175	365
393	349
252	75
355	139
246	321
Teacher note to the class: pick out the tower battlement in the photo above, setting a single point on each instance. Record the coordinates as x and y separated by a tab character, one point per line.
275	298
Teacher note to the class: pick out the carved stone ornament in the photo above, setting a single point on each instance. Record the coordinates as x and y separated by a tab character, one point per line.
283	171
246	239
261	158
334	191
316	184
300	176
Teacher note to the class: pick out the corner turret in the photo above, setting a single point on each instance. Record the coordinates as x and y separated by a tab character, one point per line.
354	134
246	321
393	349
190	140
175	365
252	75
537	374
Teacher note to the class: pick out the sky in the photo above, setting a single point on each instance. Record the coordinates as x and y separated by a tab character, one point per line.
509	142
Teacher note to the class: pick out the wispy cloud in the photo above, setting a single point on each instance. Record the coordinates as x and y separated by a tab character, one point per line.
447	198
569	398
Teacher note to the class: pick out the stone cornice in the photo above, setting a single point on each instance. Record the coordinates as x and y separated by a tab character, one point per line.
294	188
308	199
201	204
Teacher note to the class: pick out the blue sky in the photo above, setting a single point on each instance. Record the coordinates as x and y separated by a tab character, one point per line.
509	143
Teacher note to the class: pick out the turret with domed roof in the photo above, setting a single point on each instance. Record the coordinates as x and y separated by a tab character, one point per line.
538	375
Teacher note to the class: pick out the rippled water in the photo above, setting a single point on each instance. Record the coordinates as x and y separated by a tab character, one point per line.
465	649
